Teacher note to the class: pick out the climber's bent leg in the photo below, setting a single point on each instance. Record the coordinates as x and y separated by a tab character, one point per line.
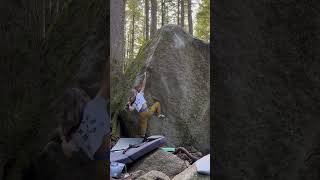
156	108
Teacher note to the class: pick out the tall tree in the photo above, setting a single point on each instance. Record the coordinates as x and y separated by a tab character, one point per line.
163	12
167	9
182	13
117	8
190	17
128	44
147	19
132	37
135	26
153	17
178	12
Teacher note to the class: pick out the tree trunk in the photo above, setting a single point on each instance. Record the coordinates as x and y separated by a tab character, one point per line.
117	10
163	14
128	45
132	38
190	18
123	29
153	17
182	13
178	13
167	12
147	19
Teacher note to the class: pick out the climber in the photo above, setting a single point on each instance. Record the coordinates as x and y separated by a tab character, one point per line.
85	124
138	102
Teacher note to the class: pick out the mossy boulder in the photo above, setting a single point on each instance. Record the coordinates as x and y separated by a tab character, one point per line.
177	68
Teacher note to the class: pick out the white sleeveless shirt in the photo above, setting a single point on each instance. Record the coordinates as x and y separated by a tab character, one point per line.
140	100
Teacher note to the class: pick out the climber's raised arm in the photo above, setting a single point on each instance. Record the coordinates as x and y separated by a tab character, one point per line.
144	82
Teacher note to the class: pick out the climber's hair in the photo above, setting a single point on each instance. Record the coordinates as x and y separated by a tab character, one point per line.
138	82
74	101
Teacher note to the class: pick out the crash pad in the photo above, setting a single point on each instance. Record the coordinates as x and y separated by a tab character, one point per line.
128	151
203	165
123	143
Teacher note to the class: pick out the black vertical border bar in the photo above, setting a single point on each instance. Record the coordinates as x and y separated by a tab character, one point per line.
108	70
107	45
212	87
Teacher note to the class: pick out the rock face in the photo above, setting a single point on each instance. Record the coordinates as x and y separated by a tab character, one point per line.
154	175
162	161
137	174
177	68
191	174
266	69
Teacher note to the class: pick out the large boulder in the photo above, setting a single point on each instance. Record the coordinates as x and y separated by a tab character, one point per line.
136	174
154	175
177	68
162	161
191	174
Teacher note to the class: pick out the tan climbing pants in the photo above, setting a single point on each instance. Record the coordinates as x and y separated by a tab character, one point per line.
146	115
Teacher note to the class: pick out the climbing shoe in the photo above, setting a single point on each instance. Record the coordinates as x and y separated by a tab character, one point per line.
161	116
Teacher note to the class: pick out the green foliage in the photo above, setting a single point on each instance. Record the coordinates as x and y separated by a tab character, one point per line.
134	10
202	26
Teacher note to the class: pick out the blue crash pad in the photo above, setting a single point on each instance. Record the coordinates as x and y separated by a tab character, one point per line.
123	154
